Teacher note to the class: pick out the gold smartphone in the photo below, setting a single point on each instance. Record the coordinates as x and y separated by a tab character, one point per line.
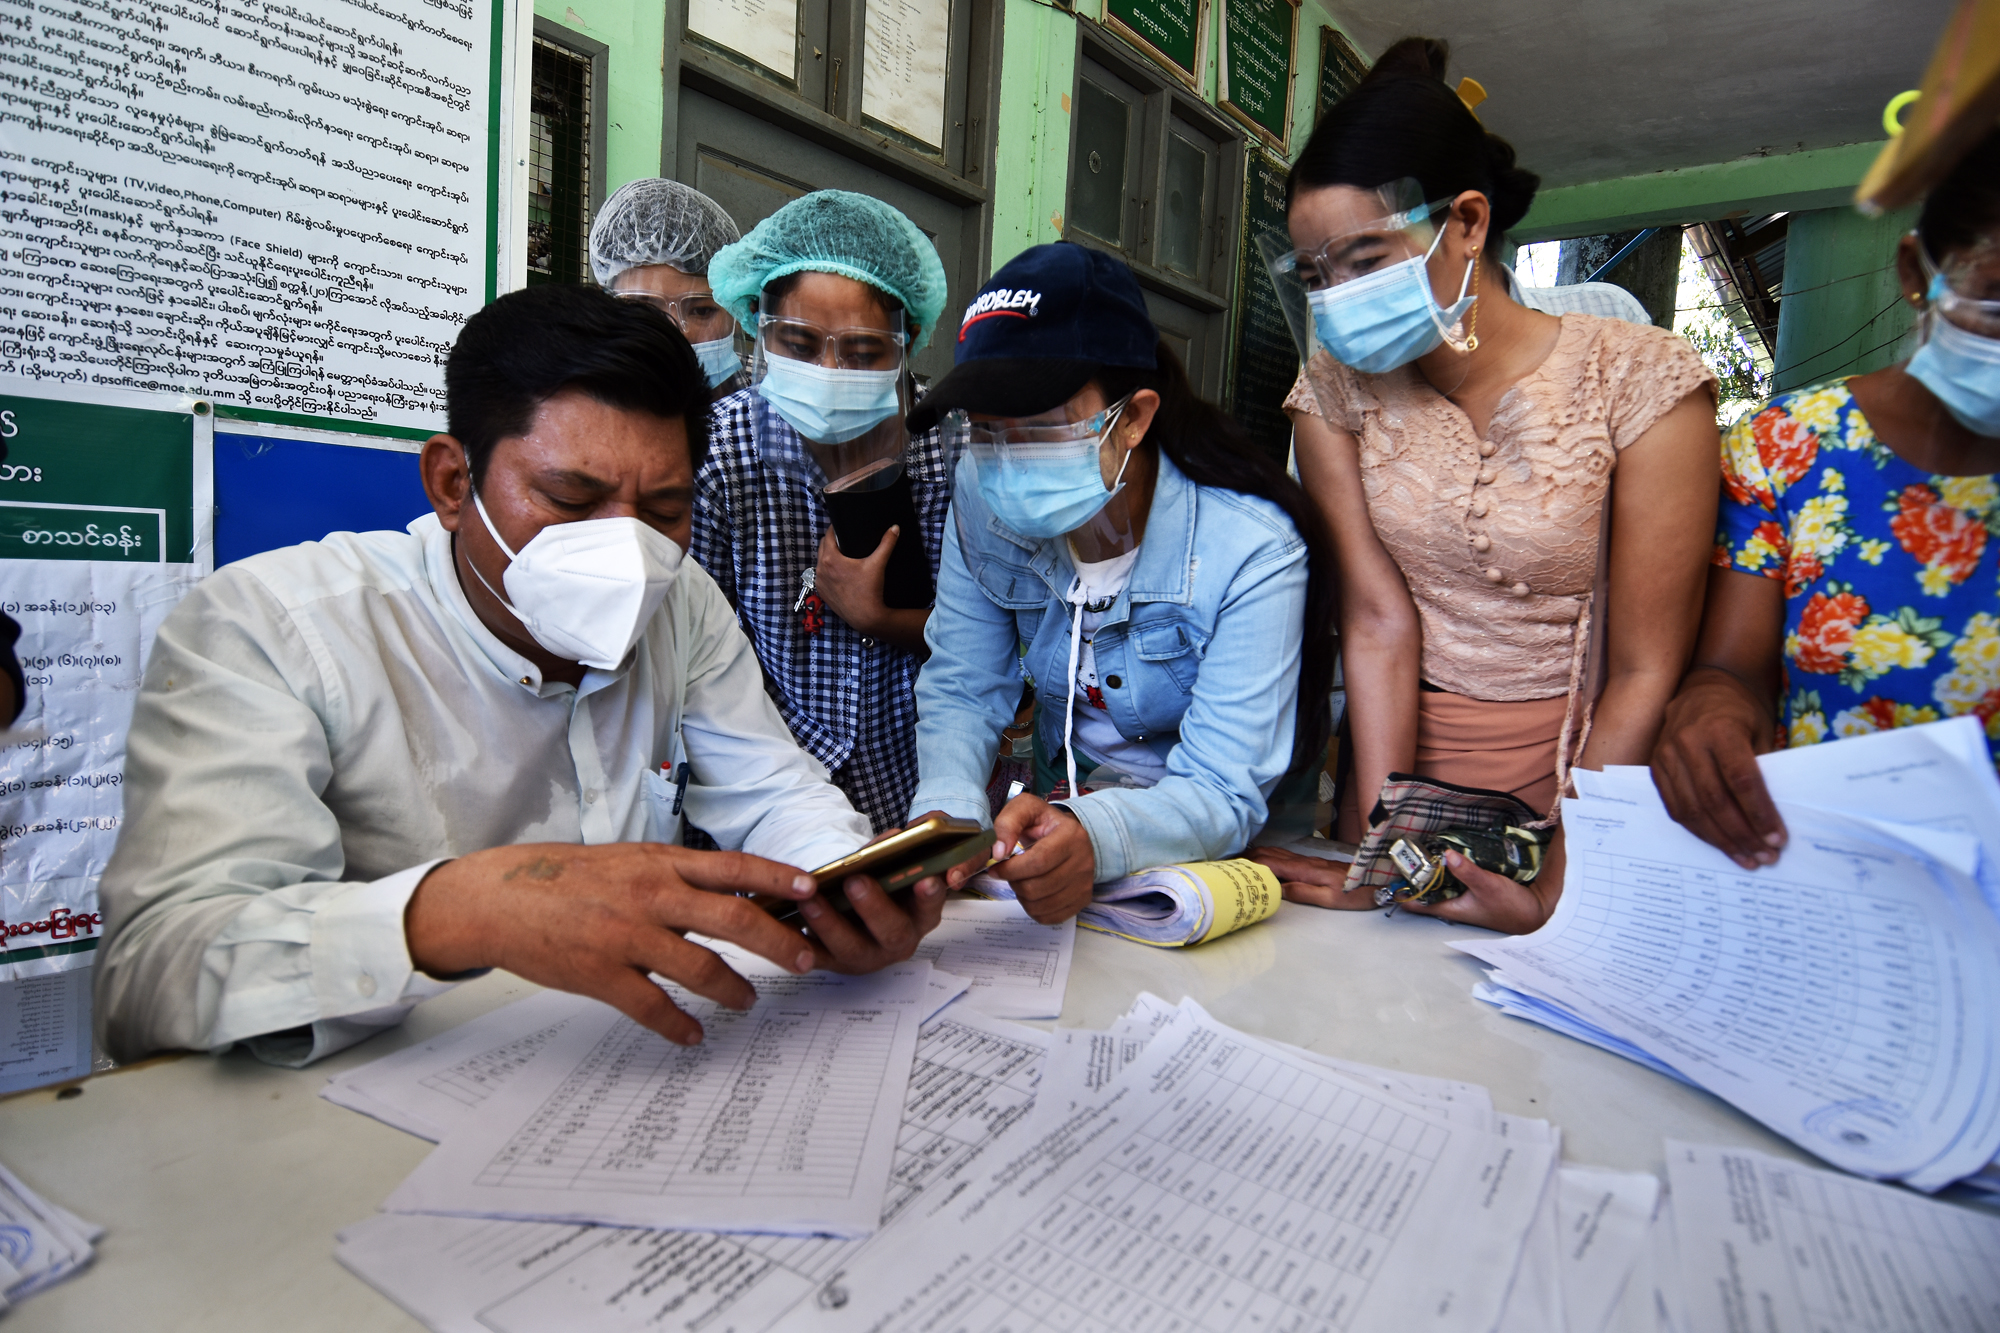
928	847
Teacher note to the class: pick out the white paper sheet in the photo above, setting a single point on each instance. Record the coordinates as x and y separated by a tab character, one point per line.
1018	967
1607	1219
40	1243
783	1120
765	30
904	53
974	1076
1848	997
1221	1185
1767	1243
427	1088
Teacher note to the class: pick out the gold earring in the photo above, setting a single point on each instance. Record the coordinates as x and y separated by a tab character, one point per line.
1472	325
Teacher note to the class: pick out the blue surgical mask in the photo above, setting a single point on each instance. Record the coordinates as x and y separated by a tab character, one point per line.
1046	489
825	405
718	359
1962	369
1387	318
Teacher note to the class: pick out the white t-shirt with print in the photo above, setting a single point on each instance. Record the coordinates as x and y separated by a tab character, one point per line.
1097	738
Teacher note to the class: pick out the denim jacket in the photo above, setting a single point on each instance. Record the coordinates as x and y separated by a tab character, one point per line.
1199	657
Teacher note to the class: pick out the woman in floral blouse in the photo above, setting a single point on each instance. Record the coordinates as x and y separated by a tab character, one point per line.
1856	584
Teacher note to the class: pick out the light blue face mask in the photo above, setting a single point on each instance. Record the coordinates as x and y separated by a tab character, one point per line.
825	405
1045	489
1961	368
718	359
1387	318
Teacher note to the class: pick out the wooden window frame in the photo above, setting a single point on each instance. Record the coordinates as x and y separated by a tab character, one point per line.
1164	98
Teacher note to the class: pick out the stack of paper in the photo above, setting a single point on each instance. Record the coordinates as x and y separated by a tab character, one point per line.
40	1242
973	1077
1172	906
1586	1241
1848	996
1765	1243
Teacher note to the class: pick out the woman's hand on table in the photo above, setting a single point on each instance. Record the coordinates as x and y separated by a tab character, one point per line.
1497	902
1054	873
1312	880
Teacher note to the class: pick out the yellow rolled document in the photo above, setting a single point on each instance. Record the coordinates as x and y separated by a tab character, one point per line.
1173	906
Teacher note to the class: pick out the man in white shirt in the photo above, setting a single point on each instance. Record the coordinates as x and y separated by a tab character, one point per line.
361	767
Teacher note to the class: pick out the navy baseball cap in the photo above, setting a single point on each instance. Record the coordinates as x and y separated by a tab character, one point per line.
1038	331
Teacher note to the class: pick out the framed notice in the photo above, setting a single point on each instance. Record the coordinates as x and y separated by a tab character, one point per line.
1173	32
1255	81
287	212
1264	359
1341	69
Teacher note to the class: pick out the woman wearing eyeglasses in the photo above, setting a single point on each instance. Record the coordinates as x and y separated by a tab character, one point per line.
1856	584
819	515
652	242
1154	577
1463	450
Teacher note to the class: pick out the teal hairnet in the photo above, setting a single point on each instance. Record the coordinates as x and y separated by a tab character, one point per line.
834	231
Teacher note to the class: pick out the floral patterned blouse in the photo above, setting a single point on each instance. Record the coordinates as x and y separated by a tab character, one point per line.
1892	575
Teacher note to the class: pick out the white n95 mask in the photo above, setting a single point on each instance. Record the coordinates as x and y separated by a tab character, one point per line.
585	590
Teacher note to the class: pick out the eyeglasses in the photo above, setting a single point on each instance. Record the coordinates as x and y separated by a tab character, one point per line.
695	313
1953	283
1357	253
1046	428
843	349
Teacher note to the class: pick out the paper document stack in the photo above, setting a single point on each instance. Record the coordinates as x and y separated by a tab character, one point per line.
1175	905
1847	996
40	1242
972	1077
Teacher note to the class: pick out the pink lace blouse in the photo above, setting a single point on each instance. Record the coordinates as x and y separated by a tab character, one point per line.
1497	538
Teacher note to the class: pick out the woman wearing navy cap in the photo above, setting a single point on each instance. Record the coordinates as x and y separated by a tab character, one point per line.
1119	542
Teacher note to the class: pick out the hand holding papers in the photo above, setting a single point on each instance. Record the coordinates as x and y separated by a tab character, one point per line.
1848	997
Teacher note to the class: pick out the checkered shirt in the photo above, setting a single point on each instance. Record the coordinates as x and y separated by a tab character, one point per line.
849	700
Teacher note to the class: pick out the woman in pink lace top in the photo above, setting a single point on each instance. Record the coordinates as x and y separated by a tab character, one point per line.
1462	448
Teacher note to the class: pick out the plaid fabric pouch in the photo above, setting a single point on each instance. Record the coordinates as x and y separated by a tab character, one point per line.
1410	807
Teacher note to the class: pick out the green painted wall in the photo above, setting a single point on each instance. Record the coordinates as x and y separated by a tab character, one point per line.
636	31
1842	312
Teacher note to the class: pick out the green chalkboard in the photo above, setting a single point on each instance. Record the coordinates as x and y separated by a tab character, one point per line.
1265	360
83	481
1257	64
1175	31
1341	67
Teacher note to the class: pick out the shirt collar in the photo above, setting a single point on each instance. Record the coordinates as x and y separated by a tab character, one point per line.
441	571
1165	572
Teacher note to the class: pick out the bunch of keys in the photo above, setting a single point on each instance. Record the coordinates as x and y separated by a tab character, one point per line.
1511	851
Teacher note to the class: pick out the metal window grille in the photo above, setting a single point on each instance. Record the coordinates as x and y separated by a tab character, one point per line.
559	165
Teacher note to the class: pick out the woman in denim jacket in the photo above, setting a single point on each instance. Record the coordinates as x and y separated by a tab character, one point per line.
1159	582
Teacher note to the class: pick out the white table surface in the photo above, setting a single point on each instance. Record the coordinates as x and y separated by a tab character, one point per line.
222	1180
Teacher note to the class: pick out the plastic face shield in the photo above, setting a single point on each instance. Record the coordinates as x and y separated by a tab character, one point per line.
1965	288
1007	450
696	314
868	461
1373	230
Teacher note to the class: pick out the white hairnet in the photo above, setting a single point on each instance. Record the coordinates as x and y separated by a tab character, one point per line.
657	221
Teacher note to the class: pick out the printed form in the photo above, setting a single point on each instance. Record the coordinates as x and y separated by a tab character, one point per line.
1018	967
1848	997
1769	1244
783	1119
974	1076
1221	1185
